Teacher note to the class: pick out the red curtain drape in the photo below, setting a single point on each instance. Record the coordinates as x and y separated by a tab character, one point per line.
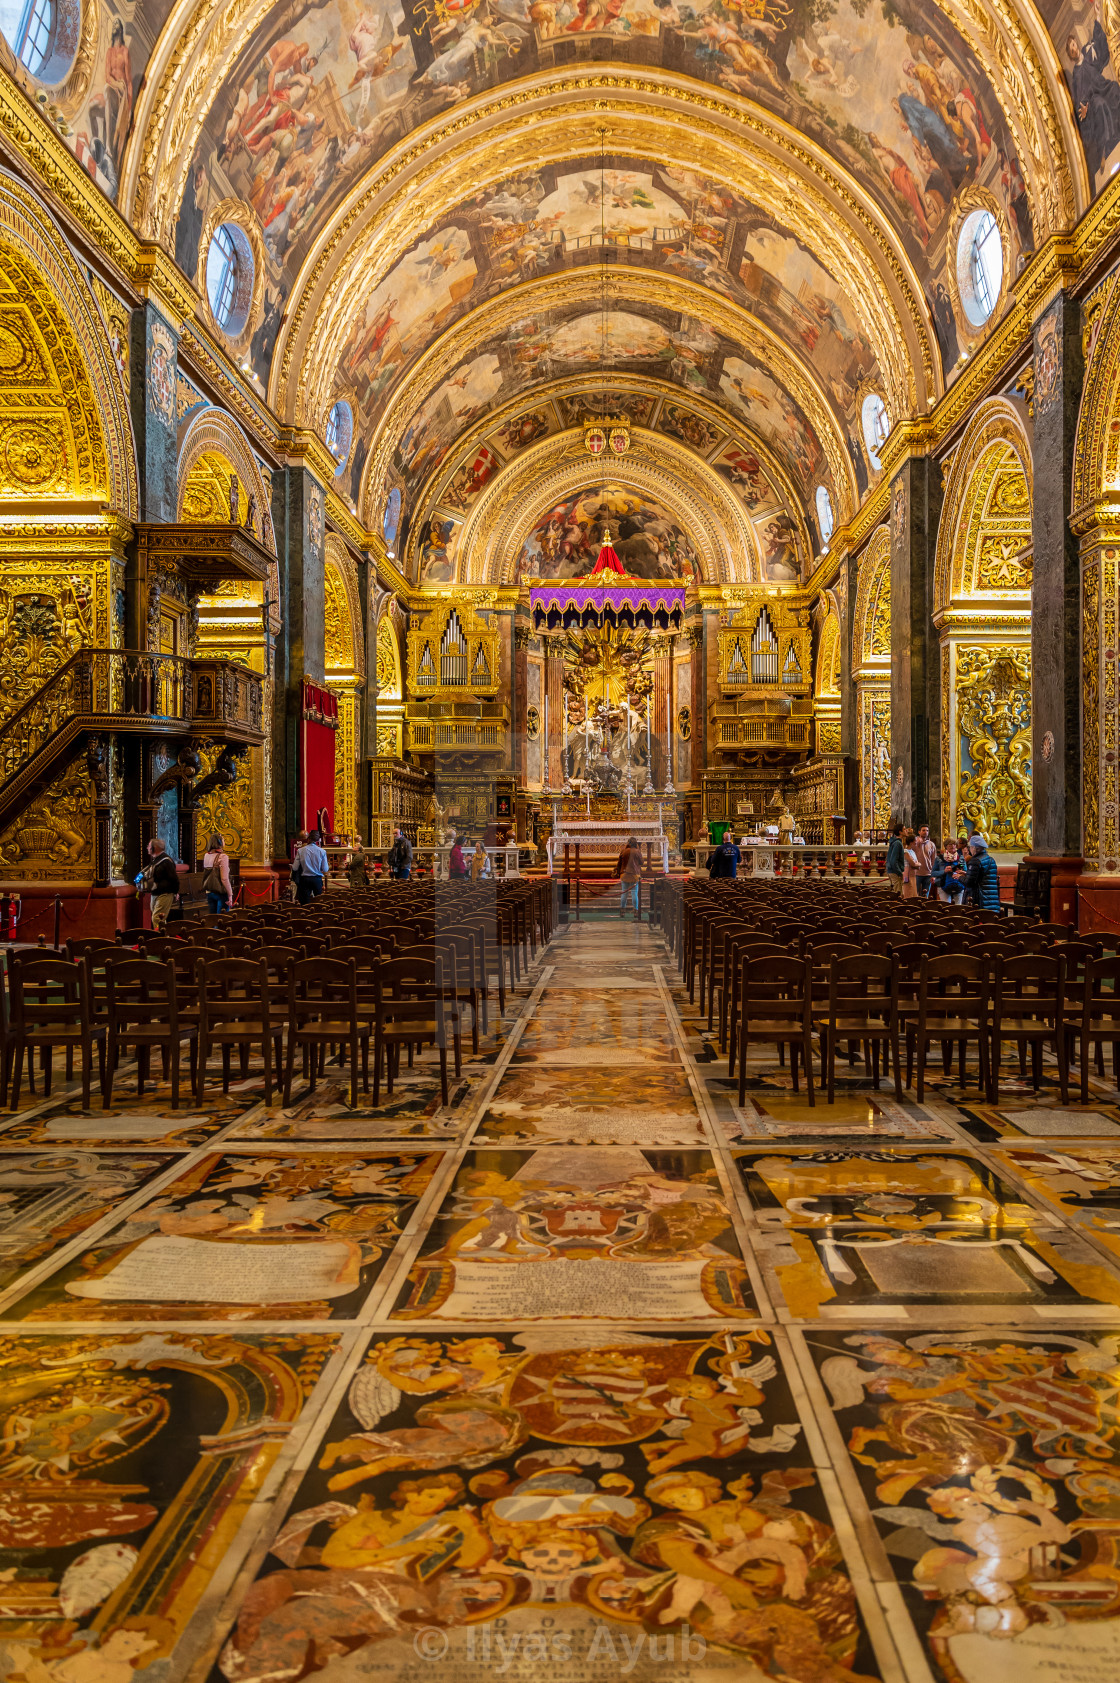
318	727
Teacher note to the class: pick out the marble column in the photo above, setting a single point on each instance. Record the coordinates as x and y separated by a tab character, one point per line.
1056	607
845	588
915	661
153	354
298	516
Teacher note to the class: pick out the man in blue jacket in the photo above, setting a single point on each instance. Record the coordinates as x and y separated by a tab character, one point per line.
725	860
896	859
981	885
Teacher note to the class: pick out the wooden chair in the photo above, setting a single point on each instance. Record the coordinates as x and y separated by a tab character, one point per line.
1028	1007
143	1012
952	1005
411	1011
775	1001
322	1012
862	1007
751	945
50	1006
236	1008
1100	1017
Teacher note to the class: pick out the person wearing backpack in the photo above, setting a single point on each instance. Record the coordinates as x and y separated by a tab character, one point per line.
724	862
216	884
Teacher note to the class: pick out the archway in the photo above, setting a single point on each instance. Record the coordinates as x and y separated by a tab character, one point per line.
344	651
982	603
237	621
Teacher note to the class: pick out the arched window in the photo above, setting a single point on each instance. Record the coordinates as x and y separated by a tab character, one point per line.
229	277
340	431
825	518
43	34
876	426
979	266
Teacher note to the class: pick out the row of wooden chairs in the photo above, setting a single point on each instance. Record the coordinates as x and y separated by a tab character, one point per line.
106	1003
1037	1001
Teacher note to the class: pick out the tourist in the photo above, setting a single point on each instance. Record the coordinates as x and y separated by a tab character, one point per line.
312	868
948	874
161	882
456	865
480	859
982	883
400	857
911	866
216	884
356	865
896	861
926	850
724	862
629	871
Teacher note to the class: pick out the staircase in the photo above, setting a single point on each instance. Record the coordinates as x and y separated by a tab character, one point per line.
120	692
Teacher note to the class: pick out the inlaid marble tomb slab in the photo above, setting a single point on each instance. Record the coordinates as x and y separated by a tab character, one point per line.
1017	1118
414	1110
594	1102
612	1232
1081	1181
282	1236
128	1461
145	1123
991	1466
859	1112
47	1198
540	1504
853	1226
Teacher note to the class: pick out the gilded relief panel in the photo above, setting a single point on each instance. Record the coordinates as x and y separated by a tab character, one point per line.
993	744
875	757
52	840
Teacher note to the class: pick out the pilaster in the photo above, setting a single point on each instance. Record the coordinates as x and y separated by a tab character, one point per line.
915	658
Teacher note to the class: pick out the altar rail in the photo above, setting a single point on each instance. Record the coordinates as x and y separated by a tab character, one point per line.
804	860
598	839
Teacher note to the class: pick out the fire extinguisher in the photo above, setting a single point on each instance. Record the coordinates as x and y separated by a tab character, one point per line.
9	915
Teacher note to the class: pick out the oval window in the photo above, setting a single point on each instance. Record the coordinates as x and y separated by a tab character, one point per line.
229	278
825	518
979	266
340	431
876	426
43	34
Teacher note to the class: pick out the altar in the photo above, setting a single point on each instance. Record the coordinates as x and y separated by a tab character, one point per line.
594	832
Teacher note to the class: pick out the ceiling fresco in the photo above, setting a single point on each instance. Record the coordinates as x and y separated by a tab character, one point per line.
565	539
666	220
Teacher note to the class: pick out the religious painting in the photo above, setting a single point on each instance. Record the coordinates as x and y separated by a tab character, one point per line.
989	1466
852	1225
128	1464
1077	28
161	371
279	1236
566	539
461	398
689	427
471	478
642	1235
639	406
524	430
438	547
561	1505
773	414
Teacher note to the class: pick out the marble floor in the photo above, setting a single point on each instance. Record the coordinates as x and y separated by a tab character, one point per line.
591	1374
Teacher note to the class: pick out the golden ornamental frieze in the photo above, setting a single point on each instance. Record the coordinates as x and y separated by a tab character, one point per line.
549	393
342	564
630	286
871	649
195	346
1096	456
704	506
492	150
854	257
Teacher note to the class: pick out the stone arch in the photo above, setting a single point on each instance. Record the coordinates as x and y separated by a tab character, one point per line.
213	448
1096	450
871	637
986	515
65	429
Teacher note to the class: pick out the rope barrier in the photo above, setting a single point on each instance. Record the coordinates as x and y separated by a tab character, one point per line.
1096	911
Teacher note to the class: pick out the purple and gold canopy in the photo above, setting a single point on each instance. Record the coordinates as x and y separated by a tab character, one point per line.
607	595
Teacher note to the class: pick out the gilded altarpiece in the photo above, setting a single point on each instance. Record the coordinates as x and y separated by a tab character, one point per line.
872	669
982	591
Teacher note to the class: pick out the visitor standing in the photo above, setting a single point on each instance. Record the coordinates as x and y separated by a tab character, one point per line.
629	871
400	857
312	868
356	865
896	859
910	866
216	884
161	882
982	883
926	850
456	864
479	861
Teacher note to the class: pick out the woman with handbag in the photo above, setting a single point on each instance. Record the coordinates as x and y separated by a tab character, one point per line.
216	884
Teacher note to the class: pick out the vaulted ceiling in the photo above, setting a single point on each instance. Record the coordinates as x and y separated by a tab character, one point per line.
469	213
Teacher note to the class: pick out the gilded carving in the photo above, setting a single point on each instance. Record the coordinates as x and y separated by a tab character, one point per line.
871	642
388	663
986	516
993	710
227	808
52	840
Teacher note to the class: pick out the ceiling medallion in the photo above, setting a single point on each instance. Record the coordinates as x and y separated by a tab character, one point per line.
601	432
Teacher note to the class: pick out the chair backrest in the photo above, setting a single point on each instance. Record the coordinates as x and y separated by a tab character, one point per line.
1102	985
233	981
88	945
766	976
873	974
134	985
317	987
157	945
47	992
822	949
963	974
1044	972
